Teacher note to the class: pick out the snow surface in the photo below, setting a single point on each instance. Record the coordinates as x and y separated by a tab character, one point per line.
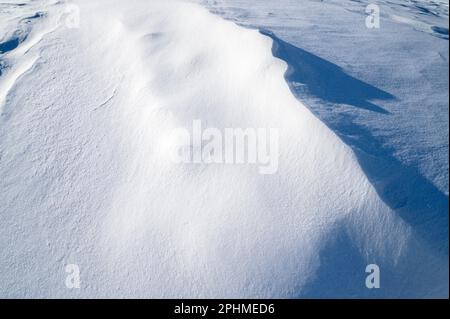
86	119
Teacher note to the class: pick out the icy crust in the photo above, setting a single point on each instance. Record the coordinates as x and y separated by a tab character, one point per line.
86	180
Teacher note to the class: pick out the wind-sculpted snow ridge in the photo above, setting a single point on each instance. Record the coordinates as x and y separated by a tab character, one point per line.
86	178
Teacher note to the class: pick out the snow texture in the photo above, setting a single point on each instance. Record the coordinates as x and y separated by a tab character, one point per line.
86	121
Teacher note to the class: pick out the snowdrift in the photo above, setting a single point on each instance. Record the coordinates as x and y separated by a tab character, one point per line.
86	121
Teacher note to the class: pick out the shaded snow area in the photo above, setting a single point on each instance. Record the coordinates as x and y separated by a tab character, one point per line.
92	91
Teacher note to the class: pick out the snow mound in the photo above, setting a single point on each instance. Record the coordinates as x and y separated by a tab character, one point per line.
88	114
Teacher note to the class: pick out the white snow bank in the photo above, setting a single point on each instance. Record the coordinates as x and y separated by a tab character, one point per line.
85	178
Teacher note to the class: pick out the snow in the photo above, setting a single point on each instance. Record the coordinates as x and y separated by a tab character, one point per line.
87	116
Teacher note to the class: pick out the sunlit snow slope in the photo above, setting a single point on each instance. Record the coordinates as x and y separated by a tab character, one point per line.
85	178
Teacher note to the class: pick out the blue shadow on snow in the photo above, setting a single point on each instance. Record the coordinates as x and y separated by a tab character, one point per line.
416	200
